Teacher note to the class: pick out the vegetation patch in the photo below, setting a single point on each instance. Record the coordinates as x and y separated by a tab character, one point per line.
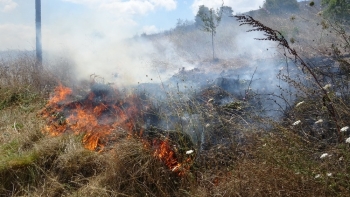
227	136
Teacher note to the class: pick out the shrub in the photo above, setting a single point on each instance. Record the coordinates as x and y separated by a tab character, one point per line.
337	9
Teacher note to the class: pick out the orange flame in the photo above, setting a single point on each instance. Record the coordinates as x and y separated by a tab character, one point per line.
56	125
61	94
97	119
167	155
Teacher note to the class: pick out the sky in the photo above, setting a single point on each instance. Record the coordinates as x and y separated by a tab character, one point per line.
91	33
99	18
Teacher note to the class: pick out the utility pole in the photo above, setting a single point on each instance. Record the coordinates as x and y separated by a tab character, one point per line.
39	56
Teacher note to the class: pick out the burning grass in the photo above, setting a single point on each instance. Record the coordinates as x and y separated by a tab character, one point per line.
96	115
102	142
103	118
280	163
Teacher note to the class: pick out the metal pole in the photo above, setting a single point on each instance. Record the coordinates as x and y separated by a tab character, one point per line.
39	56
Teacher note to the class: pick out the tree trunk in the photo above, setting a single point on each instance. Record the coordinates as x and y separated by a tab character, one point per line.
39	57
212	43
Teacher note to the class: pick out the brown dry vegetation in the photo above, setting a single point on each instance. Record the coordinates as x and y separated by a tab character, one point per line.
276	160
279	163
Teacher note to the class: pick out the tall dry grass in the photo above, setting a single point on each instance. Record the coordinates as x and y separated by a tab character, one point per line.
271	158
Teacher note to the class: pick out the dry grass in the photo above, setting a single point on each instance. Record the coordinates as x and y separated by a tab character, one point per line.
273	158
279	164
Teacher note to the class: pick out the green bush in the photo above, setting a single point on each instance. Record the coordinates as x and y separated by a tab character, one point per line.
337	9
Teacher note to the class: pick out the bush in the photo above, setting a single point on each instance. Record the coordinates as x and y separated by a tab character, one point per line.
337	9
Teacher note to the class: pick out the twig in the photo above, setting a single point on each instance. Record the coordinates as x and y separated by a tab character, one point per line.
250	83
14	126
274	35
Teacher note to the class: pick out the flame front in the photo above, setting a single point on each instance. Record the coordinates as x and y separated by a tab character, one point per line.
97	115
52	111
165	153
96	119
61	94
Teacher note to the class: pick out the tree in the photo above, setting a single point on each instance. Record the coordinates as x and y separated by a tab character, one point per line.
337	9
277	6
203	11
39	57
226	13
208	20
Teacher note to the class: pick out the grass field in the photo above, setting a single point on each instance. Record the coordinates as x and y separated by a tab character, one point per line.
305	152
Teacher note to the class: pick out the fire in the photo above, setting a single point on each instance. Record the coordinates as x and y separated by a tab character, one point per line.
165	153
52	111
85	120
95	116
100	113
61	94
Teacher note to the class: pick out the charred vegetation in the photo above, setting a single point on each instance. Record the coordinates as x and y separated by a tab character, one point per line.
243	125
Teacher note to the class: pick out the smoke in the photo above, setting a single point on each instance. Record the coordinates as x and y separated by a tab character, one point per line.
17	36
99	41
178	60
96	41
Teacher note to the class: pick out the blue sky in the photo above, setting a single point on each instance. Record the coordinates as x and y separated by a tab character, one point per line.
125	18
90	32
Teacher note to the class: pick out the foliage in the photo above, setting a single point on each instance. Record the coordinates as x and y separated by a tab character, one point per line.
278	6
208	20
226	13
337	9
